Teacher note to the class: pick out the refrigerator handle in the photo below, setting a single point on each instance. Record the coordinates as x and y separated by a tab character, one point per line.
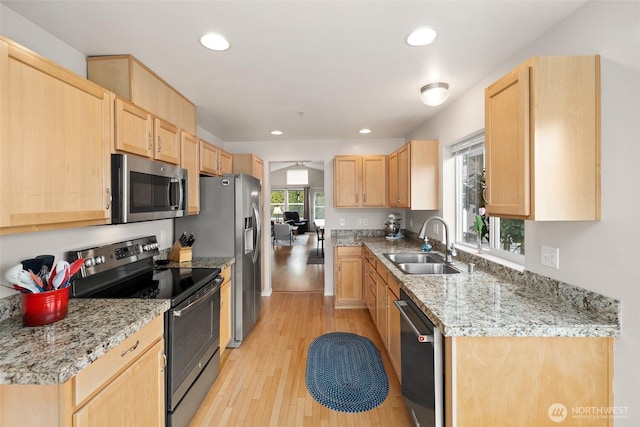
257	232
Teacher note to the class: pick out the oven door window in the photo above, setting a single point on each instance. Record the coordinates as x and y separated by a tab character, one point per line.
153	193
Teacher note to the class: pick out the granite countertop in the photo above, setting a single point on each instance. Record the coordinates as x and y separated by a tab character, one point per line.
488	304
204	262
54	353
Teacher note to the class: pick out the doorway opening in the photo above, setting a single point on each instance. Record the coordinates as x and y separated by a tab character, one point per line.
296	198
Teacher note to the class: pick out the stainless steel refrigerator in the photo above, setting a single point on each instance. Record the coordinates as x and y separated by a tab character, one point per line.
229	224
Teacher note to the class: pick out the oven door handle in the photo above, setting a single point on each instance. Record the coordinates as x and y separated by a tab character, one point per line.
421	337
195	303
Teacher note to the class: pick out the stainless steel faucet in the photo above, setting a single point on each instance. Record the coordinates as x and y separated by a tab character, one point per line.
450	250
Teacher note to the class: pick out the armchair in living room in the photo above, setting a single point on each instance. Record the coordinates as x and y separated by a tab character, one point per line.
293	218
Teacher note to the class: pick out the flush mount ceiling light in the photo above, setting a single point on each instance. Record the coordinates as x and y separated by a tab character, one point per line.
214	41
276	132
434	93
364	131
422	37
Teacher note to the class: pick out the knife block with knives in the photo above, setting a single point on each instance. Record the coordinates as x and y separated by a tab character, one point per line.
181	249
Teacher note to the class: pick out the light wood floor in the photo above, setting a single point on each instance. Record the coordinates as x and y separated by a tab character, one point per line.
262	383
289	269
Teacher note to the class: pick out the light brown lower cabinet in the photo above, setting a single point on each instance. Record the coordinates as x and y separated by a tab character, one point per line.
123	387
348	277
225	309
528	381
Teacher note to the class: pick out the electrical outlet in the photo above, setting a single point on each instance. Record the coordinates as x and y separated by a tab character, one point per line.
342	222
550	256
365	221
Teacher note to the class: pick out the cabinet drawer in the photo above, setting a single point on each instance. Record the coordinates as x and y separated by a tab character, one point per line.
382	270
394	286
349	250
100	372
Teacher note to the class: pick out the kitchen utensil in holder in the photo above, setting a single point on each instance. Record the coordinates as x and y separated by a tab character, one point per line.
43	308
180	253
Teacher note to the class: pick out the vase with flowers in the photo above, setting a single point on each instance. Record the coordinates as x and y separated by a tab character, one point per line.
479	227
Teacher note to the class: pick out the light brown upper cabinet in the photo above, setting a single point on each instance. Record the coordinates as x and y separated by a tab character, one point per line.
360	181
249	164
56	138
190	160
414	176
542	140
214	161
139	132
130	79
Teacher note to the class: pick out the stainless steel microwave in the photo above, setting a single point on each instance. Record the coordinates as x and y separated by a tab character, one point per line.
145	189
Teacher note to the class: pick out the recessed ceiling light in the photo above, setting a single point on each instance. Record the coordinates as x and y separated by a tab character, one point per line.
364	131
422	37
276	132
214	41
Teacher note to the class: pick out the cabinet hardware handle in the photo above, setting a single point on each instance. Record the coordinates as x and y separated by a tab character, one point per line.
364	198
357	198
125	352
164	356
108	206
339	266
150	141
159	143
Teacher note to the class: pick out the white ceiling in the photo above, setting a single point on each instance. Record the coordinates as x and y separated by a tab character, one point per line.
343	64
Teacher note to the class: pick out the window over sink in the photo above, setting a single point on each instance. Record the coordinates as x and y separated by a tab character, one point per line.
474	228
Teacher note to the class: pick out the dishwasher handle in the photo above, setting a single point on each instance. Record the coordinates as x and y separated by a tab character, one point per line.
400	305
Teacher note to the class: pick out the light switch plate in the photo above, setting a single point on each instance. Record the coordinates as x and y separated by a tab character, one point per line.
550	256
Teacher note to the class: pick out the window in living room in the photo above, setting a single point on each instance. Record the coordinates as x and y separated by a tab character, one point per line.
288	199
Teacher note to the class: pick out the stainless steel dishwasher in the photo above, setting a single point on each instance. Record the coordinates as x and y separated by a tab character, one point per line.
422	365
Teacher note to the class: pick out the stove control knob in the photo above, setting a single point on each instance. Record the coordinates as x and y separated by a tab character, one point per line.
89	262
99	259
146	247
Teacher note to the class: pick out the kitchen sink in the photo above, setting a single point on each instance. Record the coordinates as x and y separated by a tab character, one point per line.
427	268
398	258
420	263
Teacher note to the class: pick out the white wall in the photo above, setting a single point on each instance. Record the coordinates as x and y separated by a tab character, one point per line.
599	256
323	151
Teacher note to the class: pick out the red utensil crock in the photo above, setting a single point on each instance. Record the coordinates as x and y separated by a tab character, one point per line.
43	308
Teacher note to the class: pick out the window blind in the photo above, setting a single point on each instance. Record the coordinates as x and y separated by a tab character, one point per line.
468	144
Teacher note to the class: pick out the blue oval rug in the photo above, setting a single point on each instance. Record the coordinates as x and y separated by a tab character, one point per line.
345	372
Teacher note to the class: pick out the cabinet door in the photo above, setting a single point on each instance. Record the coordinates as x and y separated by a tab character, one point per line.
225	315
134	129
55	140
394	195
404	177
374	181
135	397
348	278
507	145
208	158
225	162
393	337
167	141
258	168
346	181
190	160
381	308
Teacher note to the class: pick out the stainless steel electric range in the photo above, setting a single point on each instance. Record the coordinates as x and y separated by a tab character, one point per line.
192	325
